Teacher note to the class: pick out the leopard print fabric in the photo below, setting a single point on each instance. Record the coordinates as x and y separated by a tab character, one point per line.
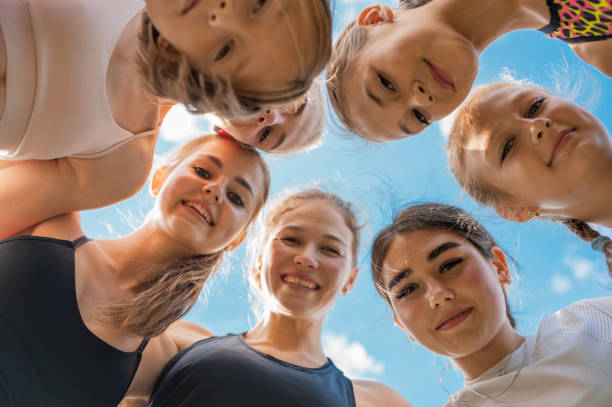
579	20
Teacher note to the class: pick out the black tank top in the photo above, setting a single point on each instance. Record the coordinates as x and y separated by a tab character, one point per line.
48	357
226	371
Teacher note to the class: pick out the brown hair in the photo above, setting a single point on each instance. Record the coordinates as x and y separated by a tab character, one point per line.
287	204
431	216
168	74
170	290
462	129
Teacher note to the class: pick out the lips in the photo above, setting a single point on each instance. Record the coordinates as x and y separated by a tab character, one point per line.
189	5
441	77
300	281
453	319
201	210
561	140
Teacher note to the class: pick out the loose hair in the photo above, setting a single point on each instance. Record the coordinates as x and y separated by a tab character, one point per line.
436	217
168	73
287	204
351	40
170	290
462	130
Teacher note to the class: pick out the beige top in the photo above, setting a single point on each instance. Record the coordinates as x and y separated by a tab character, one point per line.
567	363
57	57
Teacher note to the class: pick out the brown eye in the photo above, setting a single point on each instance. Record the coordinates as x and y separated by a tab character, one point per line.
259	5
506	148
385	82
225	51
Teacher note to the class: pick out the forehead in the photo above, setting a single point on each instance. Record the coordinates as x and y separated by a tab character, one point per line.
499	104
316	216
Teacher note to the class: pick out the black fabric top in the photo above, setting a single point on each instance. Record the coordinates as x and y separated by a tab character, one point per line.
48	357
226	371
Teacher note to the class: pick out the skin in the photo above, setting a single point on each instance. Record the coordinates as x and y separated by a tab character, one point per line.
401	42
233	37
109	268
438	287
277	129
523	125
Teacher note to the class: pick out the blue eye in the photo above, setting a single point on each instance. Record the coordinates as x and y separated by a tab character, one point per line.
202	172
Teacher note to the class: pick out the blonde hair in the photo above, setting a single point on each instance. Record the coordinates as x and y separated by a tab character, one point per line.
168	74
170	290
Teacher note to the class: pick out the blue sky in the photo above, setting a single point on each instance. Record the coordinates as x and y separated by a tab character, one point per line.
555	267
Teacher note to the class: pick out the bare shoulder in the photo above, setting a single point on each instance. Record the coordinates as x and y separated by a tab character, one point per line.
369	393
185	333
65	227
596	53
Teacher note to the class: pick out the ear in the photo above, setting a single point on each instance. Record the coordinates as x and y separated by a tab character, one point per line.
348	286
501	266
236	242
158	179
516	213
375	14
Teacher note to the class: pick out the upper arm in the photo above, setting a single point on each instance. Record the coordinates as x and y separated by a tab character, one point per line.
597	54
374	394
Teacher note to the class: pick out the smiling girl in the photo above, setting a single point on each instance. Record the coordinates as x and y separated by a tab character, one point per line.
307	257
525	152
394	72
444	277
76	313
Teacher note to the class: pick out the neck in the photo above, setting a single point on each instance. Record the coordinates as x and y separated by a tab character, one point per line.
135	256
503	344
488	20
289	335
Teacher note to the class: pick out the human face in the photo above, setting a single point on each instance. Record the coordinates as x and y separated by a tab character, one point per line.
207	201
412	71
444	293
307	261
250	41
280	129
541	150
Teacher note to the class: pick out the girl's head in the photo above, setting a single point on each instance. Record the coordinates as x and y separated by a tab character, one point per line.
209	191
394	72
295	126
444	278
228	56
307	254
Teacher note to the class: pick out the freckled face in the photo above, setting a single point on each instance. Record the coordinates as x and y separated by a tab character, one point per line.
307	261
540	149
444	292
251	41
411	72
207	201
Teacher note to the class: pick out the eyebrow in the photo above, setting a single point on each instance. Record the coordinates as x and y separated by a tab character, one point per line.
373	97
441	249
212	158
399	277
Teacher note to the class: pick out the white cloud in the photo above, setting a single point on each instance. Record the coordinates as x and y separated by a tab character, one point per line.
351	357
179	125
580	267
560	283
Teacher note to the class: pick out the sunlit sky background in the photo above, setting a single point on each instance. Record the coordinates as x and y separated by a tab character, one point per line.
555	267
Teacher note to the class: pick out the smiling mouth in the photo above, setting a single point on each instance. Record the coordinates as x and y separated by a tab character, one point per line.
300	282
189	5
560	141
201	211
442	78
455	319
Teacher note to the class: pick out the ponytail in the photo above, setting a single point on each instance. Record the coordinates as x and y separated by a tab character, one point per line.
585	232
166	295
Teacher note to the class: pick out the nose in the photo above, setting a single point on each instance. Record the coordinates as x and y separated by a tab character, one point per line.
306	258
438	294
268	117
218	11
421	95
213	193
537	128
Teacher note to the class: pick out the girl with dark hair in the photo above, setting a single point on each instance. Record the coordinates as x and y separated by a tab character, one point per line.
527	153
76	313
444	277
306	257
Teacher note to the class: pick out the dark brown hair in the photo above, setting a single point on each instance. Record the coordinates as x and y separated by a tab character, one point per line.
431	216
170	290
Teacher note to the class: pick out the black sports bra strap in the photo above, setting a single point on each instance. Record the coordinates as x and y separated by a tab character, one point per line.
80	241
143	345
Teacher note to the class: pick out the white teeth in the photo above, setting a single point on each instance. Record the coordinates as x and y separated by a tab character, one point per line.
299	281
200	210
